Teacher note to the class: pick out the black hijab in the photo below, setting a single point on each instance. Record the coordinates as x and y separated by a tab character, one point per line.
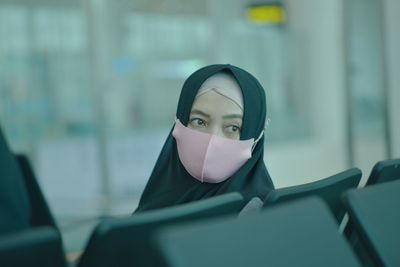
170	184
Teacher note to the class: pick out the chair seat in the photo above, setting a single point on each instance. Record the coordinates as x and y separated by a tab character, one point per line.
374	214
300	233
330	189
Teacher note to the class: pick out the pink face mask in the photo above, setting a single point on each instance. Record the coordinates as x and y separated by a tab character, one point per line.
210	158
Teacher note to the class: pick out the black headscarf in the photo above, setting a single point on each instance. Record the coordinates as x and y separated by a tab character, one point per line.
170	184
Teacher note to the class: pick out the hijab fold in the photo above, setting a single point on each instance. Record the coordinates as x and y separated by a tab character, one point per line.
170	184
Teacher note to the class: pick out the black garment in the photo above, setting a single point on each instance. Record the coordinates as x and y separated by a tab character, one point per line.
170	184
15	210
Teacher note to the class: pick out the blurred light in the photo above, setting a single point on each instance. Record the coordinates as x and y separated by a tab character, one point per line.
175	69
266	14
124	65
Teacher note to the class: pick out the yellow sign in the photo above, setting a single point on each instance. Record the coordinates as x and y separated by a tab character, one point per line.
265	14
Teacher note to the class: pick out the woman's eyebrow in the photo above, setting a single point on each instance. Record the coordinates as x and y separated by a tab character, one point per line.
199	112
233	116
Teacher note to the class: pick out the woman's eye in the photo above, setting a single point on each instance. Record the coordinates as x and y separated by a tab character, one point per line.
198	122
233	128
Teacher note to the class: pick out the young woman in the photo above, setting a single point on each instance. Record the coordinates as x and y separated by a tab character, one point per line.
216	145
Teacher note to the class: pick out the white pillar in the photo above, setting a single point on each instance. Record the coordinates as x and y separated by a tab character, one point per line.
391	9
101	51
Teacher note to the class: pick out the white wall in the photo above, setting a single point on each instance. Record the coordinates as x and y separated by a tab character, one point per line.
392	57
316	30
317	37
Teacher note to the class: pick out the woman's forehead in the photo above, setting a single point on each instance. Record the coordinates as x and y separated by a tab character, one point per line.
225	84
212	103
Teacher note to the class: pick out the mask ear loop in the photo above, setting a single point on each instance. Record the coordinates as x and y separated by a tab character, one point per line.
256	141
261	134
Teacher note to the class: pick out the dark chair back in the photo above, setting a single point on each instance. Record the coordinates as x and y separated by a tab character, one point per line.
41	214
299	233
39	246
384	171
329	189
374	214
127	241
15	209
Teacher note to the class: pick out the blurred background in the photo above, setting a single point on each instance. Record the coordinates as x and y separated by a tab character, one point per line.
89	88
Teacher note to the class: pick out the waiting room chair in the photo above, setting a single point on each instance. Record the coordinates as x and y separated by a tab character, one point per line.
299	233
40	246
15	209
22	209
127	241
384	171
329	189
41	214
374	214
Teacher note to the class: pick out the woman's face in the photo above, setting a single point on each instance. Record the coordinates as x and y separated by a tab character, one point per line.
216	114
